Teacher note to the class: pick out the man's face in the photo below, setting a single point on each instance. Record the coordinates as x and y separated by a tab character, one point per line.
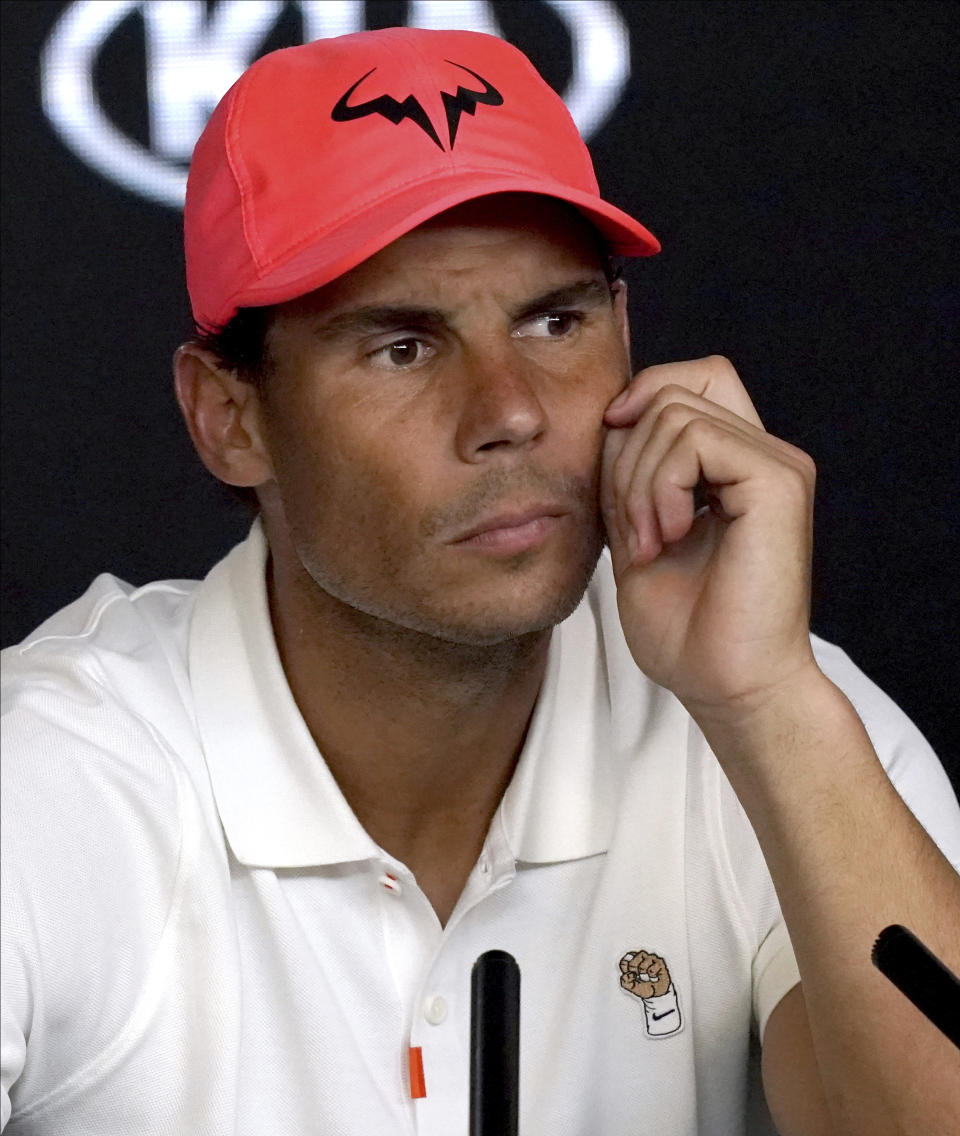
434	421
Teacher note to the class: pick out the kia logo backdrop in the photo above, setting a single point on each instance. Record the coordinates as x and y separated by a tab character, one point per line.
194	55
797	160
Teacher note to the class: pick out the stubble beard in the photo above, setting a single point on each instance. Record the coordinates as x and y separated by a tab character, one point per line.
389	612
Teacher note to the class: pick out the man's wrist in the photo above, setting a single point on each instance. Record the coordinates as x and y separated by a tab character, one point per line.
806	714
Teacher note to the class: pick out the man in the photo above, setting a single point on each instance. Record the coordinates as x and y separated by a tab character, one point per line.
260	827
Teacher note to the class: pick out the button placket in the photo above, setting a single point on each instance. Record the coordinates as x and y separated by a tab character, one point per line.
403	927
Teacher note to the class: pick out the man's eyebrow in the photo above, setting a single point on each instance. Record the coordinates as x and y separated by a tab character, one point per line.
386	317
588	293
395	317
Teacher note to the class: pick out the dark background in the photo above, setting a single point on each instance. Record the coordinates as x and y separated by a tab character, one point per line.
799	163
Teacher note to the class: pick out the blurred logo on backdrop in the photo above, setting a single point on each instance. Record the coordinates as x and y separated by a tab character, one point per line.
194	51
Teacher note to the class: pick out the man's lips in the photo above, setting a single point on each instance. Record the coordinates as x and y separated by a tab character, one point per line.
514	530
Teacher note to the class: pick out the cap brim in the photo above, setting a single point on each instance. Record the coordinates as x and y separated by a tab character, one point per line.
341	244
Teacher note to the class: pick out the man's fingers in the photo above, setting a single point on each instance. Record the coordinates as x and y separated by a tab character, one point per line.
642	454
656	406
713	379
666	414
652	500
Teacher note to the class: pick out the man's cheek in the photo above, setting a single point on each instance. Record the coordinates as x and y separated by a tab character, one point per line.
598	396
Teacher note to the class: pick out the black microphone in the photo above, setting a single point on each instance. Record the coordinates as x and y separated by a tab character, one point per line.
495	1045
921	976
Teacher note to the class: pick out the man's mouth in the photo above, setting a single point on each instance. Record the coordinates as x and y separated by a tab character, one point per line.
516	530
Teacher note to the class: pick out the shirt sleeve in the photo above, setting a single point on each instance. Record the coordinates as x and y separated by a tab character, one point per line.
773	967
13	1048
90	839
911	764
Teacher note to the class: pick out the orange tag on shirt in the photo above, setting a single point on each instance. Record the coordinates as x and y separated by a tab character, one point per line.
418	1087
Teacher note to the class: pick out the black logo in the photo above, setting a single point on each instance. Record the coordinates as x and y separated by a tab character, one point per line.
464	101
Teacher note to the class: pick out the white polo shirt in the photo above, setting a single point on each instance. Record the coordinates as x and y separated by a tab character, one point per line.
199	936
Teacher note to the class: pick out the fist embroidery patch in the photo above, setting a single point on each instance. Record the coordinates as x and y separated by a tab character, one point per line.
646	976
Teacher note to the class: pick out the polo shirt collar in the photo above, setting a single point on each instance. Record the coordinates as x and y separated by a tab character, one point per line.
561	802
278	802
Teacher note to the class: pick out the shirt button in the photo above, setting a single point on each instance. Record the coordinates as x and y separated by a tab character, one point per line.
391	883
484	866
435	1010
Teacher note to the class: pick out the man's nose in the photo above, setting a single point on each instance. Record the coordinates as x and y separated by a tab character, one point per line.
500	406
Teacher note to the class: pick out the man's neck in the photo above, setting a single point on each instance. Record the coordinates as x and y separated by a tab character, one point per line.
421	735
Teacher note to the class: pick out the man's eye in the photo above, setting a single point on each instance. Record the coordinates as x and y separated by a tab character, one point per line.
401	353
551	325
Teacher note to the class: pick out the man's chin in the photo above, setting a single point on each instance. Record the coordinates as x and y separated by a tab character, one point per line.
512	611
477	609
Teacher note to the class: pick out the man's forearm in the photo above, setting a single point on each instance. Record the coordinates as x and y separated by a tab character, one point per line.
847	859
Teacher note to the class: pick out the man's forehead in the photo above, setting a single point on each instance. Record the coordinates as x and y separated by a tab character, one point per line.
543	239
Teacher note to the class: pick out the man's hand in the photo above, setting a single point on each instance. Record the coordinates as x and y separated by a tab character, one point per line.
715	608
714	602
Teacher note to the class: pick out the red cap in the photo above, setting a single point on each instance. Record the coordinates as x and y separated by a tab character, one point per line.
321	155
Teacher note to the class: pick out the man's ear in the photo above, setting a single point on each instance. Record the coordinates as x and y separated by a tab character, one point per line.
223	415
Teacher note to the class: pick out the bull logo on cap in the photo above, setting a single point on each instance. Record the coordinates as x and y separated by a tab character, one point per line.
464	101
